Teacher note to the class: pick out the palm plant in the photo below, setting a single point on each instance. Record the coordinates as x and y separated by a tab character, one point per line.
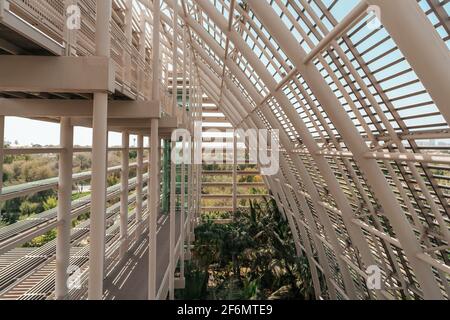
252	258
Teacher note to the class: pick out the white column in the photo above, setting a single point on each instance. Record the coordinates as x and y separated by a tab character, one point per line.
99	157
175	61
124	190
173	167
189	205
183	165
98	203
154	206
64	208
235	180
139	183
155	156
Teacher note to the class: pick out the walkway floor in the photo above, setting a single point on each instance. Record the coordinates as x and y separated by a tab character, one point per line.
129	281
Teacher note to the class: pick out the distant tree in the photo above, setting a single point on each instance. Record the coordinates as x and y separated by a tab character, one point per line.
82	161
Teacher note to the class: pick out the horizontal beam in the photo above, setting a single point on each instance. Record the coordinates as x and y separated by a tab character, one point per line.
229	196
220	209
165	122
30	188
56	74
35	108
393	156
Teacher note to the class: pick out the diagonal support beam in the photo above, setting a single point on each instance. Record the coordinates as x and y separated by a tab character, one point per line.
356	144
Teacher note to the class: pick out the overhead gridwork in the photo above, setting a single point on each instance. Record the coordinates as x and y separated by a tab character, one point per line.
386	102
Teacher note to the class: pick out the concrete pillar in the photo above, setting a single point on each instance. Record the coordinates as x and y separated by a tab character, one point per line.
154	206
155	156
99	157
175	61
235	167
124	190
64	209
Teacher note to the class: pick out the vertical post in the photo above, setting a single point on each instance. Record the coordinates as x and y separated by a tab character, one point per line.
175	60
139	183
199	105
64	208
183	165
235	164
183	218
154	156
124	190
154	205
99	157
192	166
184	118
172	217
189	203
173	166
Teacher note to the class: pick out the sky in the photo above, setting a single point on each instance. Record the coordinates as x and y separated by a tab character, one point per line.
28	132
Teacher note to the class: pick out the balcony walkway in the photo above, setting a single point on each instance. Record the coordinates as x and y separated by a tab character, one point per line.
129	280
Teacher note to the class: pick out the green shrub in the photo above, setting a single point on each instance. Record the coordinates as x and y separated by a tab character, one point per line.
50	203
28	208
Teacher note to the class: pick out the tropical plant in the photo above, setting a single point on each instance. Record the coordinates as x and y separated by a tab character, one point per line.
253	257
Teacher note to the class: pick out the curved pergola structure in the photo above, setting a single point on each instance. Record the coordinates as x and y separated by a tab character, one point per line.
358	92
